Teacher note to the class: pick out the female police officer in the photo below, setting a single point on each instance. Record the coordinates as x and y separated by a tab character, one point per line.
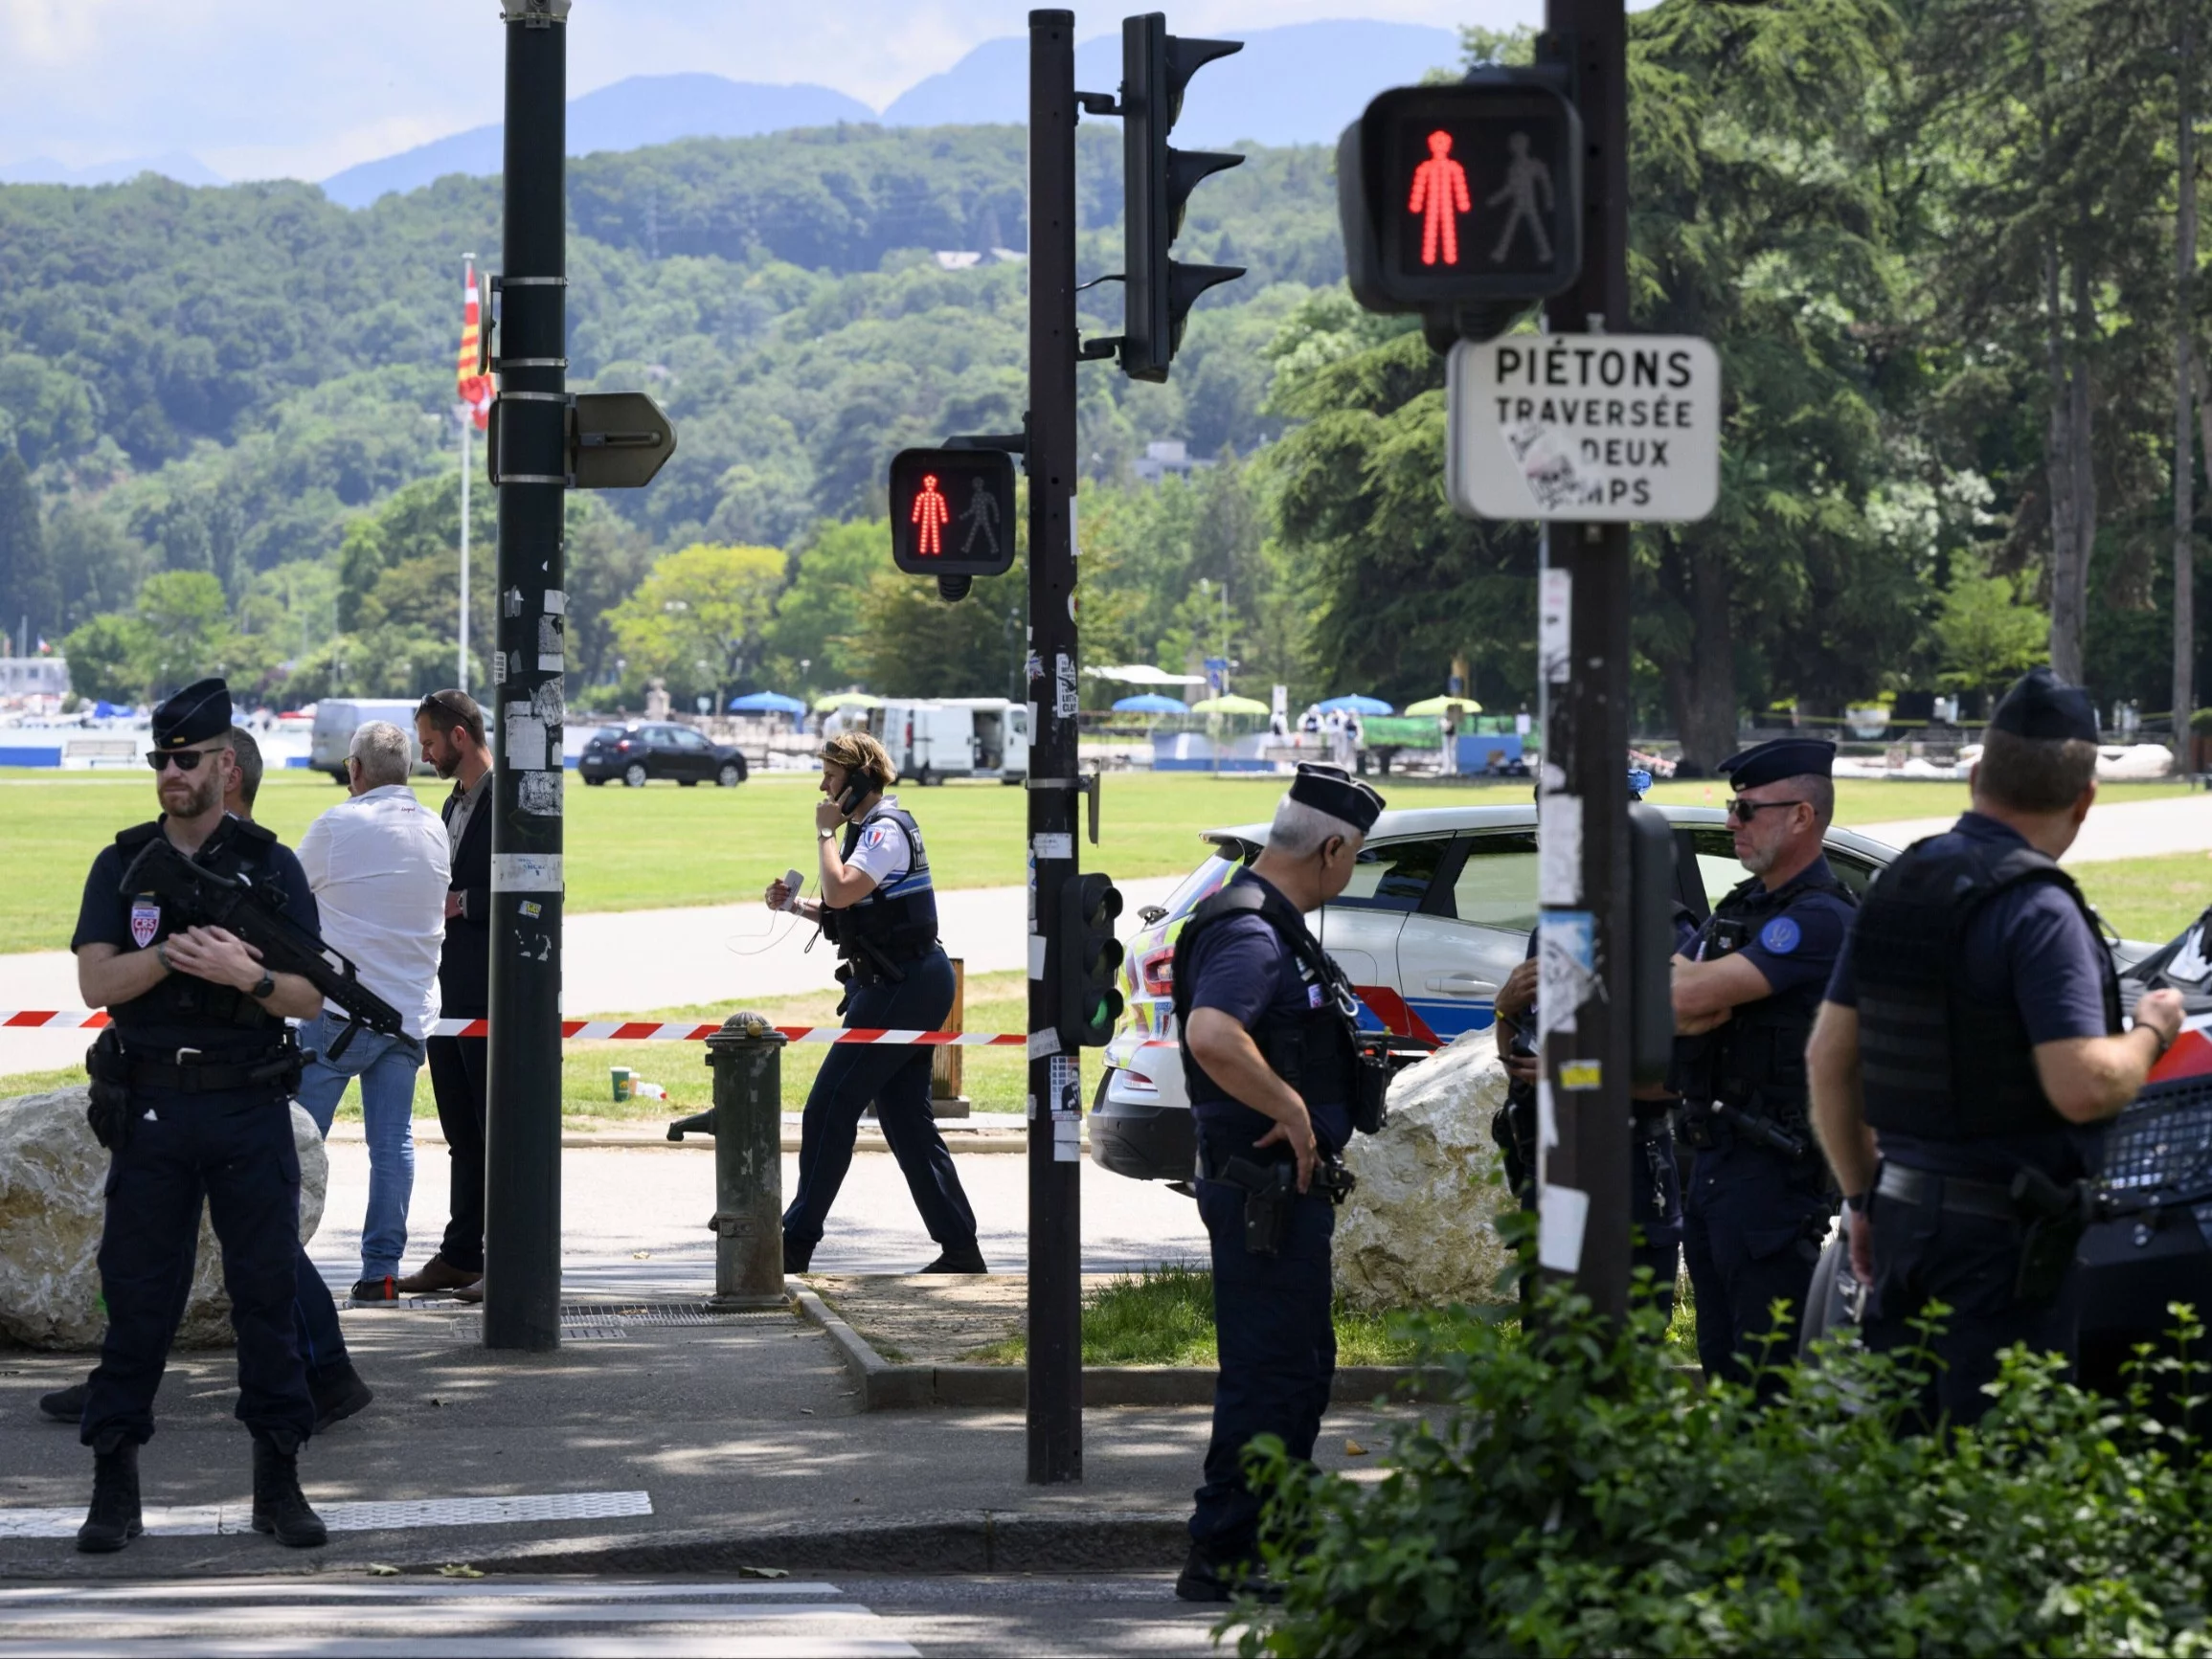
1254	998
879	909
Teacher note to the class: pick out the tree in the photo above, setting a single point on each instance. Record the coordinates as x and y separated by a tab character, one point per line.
700	620
917	645
28	592
105	657
817	616
1990	629
187	630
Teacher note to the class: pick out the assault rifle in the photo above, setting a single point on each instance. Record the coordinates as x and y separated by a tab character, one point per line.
211	899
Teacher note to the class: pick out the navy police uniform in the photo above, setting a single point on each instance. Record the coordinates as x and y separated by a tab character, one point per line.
1760	1200
896	977
1971	949
1245	951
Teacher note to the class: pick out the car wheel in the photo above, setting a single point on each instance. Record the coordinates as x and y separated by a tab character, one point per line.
924	777
731	776
595	782
634	774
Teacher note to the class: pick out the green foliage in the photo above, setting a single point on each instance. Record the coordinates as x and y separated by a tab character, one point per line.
914	644
814	643
1582	1494
105	655
27	585
1990	628
700	619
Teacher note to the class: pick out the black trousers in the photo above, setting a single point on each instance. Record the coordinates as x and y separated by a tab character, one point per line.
1924	1253
233	1152
1278	1357
457	1068
897	1079
1752	1226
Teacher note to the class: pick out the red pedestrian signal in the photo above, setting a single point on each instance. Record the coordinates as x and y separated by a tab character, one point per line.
952	512
1440	197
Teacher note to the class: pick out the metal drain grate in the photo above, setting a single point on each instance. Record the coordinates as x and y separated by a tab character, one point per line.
470	1329
611	1321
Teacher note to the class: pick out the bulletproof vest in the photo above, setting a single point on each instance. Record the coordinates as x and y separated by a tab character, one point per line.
179	1001
1937	1061
1755	1060
1316	1052
897	919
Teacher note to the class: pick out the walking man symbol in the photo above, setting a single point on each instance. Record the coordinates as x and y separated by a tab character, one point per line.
1524	177
1441	196
931	515
982	520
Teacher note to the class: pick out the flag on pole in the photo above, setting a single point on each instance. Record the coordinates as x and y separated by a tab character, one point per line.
476	390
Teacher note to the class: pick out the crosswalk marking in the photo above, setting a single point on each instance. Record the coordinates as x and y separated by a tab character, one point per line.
244	1619
212	1520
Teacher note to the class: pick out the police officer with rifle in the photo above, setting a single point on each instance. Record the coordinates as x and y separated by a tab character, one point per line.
1971	1051
1280	1078
878	907
198	933
1745	995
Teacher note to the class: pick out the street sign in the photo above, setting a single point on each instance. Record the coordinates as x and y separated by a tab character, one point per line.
618	441
952	512
1597	428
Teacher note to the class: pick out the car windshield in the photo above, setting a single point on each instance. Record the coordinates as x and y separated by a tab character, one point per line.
1208	878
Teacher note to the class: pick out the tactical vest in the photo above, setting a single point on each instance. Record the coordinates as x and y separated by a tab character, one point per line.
898	920
180	1002
1937	1062
1755	1060
1319	1052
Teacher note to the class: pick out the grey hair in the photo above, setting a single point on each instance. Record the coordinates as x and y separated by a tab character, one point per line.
382	750
1298	830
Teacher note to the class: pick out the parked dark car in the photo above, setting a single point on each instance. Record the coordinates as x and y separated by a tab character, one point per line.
640	752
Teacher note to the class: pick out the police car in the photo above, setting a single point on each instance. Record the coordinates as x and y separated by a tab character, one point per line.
1436	915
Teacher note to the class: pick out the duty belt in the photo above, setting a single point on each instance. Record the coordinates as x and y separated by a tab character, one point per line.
193	1076
1954	1194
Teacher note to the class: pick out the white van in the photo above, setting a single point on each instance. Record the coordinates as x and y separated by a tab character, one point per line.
337	718
955	737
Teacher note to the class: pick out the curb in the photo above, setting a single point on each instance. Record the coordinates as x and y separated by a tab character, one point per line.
885	1386
957	1140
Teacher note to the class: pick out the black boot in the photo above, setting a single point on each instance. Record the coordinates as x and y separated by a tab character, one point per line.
796	1257
339	1395
65	1405
1203	1578
967	1258
113	1521
280	1507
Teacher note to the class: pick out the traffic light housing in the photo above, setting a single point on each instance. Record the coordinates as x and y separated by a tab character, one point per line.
1463	201
951	514
1091	962
1158	291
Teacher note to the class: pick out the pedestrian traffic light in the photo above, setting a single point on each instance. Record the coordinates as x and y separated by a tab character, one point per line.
1158	292
1091	964
952	513
1463	201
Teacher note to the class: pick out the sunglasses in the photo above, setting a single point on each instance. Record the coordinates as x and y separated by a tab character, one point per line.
183	759
1744	811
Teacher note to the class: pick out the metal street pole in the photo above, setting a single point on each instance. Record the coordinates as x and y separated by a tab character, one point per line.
1584	1008
522	1208
1056	1399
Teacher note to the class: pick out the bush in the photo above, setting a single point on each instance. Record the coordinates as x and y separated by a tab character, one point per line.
1582	1494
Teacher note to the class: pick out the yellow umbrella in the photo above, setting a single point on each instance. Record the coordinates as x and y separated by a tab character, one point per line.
1437	706
846	700
1228	705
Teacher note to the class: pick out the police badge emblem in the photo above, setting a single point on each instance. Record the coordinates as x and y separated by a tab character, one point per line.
145	920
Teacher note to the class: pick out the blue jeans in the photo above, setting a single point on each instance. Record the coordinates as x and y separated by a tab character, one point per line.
386	1066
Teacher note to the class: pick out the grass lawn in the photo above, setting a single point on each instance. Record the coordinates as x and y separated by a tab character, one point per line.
665	845
2151	898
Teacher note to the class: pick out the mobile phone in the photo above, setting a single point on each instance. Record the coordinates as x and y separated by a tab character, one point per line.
794	883
850	798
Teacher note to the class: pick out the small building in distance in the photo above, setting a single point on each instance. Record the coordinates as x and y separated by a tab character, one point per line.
1170	457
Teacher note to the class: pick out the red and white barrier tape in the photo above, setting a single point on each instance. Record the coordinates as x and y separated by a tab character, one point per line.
594	1030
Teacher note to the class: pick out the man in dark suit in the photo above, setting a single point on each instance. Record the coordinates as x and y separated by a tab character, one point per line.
450	728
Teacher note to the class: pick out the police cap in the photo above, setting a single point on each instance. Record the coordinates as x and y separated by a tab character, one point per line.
2042	706
201	710
1782	757
1332	790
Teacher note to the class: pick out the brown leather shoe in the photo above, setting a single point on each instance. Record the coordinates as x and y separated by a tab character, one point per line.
470	1292
437	1274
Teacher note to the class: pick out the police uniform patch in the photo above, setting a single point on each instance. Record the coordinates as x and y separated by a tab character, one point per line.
1314	997
1780	935
145	920
877	837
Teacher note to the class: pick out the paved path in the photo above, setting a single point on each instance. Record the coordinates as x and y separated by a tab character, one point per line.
2136	829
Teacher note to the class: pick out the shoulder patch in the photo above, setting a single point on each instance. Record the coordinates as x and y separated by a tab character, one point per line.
1781	936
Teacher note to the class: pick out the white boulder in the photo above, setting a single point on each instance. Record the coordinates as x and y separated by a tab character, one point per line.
1419	1230
53	1183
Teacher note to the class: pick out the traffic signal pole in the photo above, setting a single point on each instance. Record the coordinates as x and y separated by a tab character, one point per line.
1584	1005
524	704
1056	1376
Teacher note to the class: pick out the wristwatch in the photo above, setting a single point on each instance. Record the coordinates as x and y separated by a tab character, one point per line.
265	987
823	835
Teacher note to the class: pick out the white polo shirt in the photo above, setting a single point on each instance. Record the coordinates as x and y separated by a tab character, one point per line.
379	865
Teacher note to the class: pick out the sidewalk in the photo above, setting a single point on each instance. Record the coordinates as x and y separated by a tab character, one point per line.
742	1435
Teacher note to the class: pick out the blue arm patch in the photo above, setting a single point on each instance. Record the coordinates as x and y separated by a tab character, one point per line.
1781	936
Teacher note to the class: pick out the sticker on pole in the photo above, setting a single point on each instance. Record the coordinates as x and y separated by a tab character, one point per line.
1599	427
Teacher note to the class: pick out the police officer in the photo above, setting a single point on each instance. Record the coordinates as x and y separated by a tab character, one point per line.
1654	1174
879	909
1745	996
1274	1075
1974	1027
195	1086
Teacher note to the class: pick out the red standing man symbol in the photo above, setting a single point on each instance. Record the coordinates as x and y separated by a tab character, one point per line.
932	514
1440	193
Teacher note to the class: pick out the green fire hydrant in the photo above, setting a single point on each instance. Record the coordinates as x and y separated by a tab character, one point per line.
747	1059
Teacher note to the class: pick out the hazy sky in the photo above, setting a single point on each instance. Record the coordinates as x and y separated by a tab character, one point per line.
301	88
